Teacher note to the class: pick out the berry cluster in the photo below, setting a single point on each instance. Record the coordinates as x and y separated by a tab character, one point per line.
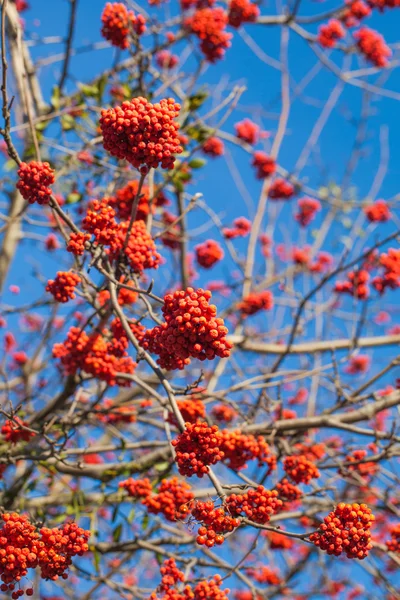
137	488
281	190
209	25
191	329
357	284
278	541
257	505
166	60
14	432
287	491
119	22
100	222
242	11
76	243
391	276
378	212
372	45
197	447
171	500
208	254
171	576
356	12
213	147
95	355
241	228
299	469
215	523
239	448
63	286
346	529
254	302
192	410
22	547
125	296
358	364
223	413
123	200
365	469
114	415
140	251
143	133
34	181
308	207
265	165
247	131
264	575
393	545
330	33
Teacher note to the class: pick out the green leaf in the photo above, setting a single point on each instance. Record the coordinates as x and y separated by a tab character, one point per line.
67	122
197	163
117	533
196	100
55	97
131	515
89	90
9	165
160	467
73	198
145	521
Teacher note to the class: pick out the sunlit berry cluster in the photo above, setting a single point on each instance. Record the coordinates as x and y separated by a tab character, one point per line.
100	222
215	523
119	23
355	12
197	447
172	499
365	469
76	243
241	228
258	504
213	146
346	530
356	284
287	491
62	288
240	448
143	133
393	545
299	469
391	276
34	181
15	430
209	25
172	577
330	33
208	254
263	574
94	354
191	409
256	301
373	46
166	60
191	330
378	212
22	547
123	199
114	414
223	413
137	488
140	249
308	207
242	11
265	165
281	190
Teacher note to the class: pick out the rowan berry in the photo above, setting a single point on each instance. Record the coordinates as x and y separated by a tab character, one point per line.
119	22
299	469
34	181
62	288
197	447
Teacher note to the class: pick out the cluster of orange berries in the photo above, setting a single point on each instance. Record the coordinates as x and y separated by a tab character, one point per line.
14	431
308	207
330	33
213	147
346	529
242	11
247	131
366	469
191	330
119	22
240	448
299	469
256	301
140	250
287	491
393	545
191	409
123	199
215	523
62	288
209	25
125	296
208	254
356	284
378	212
95	355
372	45
281	190
114	415
100	222
263	574
171	576
241	228
223	413
34	181
76	243
258	505
143	133
172	499
22	547
391	276
197	447
265	165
